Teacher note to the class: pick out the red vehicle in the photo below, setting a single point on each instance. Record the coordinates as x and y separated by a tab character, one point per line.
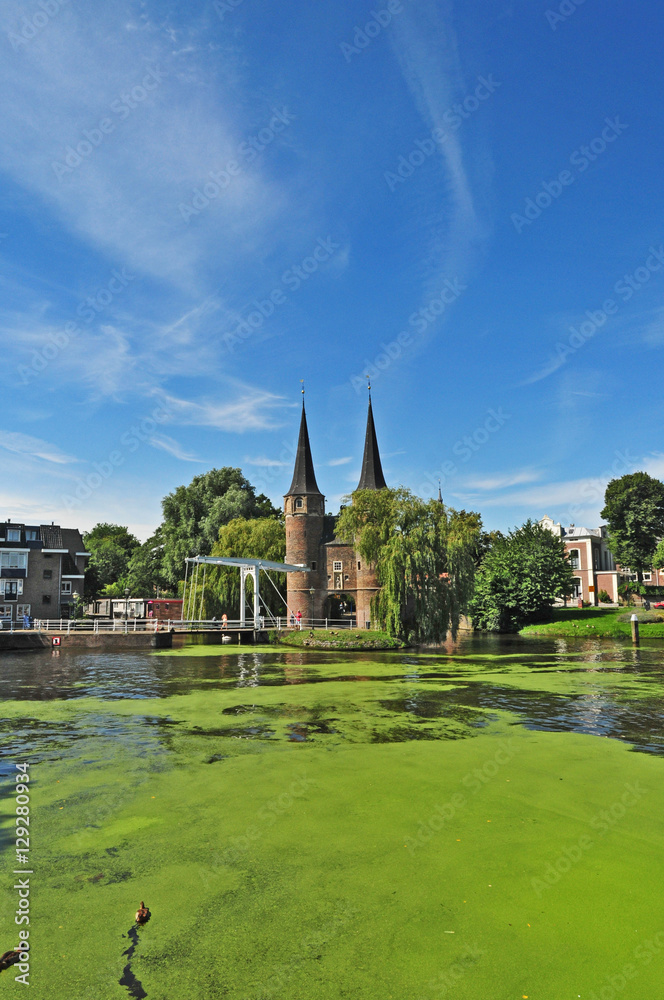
660	604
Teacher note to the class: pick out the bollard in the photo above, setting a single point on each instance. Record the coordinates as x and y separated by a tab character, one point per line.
635	629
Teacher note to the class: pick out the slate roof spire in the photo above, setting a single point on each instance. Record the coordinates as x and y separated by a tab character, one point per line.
372	477
304	477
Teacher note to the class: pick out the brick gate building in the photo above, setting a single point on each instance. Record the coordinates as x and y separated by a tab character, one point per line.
340	584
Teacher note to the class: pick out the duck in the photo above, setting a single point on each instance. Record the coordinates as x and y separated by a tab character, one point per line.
142	914
8	959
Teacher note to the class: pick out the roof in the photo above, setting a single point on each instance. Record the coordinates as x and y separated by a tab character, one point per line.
304	477
372	477
51	536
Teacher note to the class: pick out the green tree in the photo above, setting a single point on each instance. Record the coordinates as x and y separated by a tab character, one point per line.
658	558
194	514
520	578
424	556
258	538
111	547
634	512
145	573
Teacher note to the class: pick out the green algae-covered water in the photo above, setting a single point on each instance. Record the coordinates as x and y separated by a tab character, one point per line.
485	823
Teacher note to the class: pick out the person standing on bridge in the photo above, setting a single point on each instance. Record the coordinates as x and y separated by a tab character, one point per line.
298	616
224	621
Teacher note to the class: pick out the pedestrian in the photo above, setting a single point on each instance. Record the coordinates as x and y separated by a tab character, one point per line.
224	620
26	621
292	620
299	618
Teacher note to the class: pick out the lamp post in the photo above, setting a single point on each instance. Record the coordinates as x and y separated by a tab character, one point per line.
312	591
126	597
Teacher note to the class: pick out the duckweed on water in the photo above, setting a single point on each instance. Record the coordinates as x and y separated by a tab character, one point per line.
396	826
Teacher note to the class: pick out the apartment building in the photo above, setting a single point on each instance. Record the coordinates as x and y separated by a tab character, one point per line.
591	560
42	570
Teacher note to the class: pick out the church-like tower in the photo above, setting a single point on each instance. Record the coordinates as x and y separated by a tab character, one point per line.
304	510
371	478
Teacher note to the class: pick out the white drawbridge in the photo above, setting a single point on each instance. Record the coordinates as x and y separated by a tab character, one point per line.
248	568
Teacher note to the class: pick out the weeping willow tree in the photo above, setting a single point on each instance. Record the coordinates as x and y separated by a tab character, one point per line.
253	538
424	556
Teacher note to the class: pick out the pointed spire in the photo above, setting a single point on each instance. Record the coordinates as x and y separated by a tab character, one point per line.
372	477
304	477
440	493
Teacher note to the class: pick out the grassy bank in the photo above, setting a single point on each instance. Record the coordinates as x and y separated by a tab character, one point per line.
600	622
352	640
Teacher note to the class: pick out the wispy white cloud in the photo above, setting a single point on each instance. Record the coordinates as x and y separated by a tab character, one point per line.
551	366
267	463
122	194
249	411
340	461
427	48
173	447
23	444
489	483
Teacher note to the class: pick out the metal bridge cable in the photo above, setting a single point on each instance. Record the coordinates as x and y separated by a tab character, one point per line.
203	592
194	589
279	594
184	589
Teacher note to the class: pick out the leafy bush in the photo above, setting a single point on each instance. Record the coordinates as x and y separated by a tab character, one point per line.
603	597
519	580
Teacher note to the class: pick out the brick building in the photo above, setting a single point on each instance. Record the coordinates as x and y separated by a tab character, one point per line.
340	584
593	564
42	569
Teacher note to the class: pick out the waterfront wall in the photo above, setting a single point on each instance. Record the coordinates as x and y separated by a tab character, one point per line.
118	641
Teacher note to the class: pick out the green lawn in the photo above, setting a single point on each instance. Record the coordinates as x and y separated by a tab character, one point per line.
600	622
343	638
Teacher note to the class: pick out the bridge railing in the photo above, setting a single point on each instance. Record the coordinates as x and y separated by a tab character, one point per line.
126	625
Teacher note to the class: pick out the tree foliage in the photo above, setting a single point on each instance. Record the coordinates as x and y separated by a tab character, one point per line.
257	538
111	547
145	573
634	512
194	514
520	578
424	557
658	558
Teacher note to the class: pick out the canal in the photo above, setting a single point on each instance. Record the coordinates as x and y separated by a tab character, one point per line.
482	822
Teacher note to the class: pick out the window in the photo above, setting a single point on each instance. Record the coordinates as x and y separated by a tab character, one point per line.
647	577
313	565
66	587
5	610
596	558
14	560
46	599
48	574
574	558
22	609
337	565
12	589
30	535
13	534
359	565
299	503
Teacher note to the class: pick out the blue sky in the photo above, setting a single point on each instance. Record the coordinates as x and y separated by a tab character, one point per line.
203	203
